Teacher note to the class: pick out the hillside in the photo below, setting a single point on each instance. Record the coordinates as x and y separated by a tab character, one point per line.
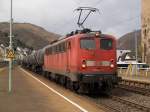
26	35
128	41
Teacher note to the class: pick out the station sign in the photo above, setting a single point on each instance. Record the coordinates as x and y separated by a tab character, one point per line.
10	53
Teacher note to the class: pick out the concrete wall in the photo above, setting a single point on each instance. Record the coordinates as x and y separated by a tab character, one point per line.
145	43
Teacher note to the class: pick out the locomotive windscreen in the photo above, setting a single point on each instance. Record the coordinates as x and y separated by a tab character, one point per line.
106	44
87	43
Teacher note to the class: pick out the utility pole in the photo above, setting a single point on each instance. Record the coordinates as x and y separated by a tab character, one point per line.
136	52
10	47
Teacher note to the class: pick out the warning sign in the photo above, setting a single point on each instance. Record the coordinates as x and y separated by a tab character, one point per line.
10	53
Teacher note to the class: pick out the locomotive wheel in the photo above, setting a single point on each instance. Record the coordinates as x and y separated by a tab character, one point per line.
45	75
63	81
57	78
49	76
106	87
68	84
75	86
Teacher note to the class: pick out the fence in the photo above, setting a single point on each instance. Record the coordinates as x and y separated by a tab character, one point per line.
133	70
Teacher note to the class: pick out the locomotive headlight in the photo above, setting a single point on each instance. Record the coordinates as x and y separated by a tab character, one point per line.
112	65
97	34
83	64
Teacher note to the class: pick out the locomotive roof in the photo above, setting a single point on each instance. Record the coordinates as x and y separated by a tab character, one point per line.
90	34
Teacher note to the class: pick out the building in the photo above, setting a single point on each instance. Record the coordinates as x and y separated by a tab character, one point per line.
145	32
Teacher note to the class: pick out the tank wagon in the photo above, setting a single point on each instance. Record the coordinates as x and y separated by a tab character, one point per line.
83	61
34	61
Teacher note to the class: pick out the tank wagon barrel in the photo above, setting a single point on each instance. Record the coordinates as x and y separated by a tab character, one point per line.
35	60
40	57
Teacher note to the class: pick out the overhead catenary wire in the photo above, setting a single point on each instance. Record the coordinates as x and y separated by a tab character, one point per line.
124	21
70	21
67	22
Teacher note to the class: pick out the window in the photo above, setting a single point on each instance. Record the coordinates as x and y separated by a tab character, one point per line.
59	48
53	50
69	45
87	44
46	51
106	44
50	50
63	47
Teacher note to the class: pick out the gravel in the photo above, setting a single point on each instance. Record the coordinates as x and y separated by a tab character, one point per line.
118	106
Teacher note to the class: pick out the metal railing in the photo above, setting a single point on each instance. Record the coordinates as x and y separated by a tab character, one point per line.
131	70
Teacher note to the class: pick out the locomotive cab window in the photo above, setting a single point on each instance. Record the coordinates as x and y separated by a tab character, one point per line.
106	44
87	43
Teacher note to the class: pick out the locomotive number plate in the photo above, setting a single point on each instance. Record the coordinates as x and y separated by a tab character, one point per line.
90	63
104	63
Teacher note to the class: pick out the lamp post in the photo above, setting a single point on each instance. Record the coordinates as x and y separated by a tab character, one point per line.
136	52
10	47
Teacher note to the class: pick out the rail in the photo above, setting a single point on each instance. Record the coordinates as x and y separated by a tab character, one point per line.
131	103
135	86
140	84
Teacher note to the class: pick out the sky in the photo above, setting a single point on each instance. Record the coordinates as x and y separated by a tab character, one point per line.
116	17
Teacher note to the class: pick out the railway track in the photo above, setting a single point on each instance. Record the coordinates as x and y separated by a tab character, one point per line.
145	92
136	86
110	108
129	86
130	103
97	99
119	104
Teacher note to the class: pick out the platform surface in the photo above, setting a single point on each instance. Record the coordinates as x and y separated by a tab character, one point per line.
28	95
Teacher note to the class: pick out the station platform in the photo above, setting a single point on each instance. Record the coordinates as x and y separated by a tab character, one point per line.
30	95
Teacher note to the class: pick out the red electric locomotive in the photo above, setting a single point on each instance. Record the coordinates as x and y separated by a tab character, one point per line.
83	61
